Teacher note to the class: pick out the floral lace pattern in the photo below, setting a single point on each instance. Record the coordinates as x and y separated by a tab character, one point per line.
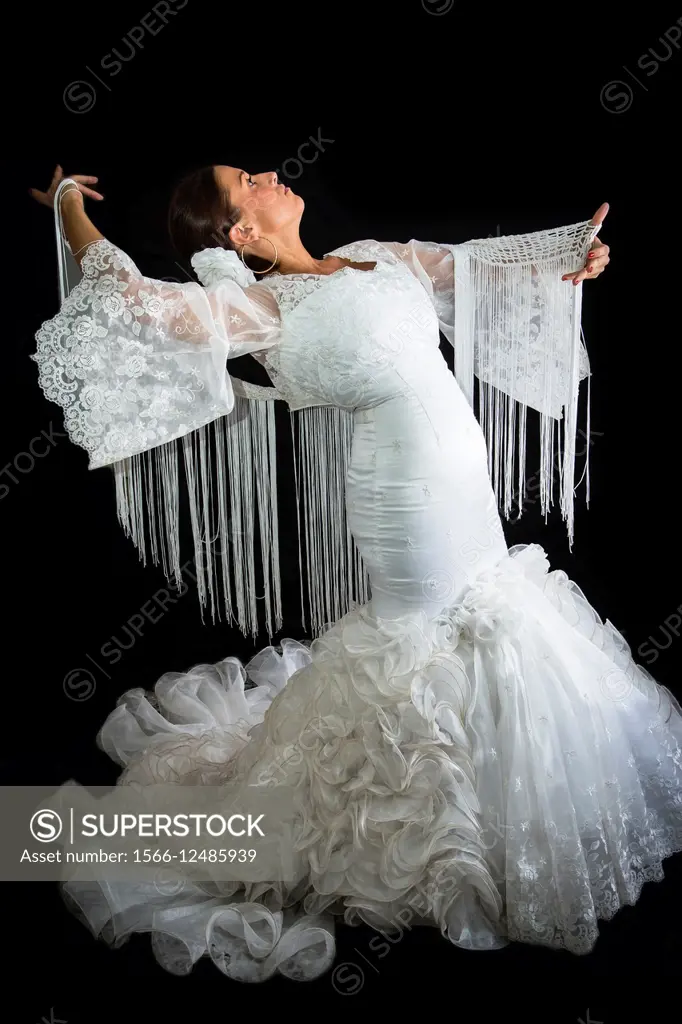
369	350
520	335
538	375
568	853
128	360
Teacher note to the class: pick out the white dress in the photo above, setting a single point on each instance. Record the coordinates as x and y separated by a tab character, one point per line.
473	743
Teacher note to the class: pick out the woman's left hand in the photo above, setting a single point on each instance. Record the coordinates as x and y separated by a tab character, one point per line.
597	257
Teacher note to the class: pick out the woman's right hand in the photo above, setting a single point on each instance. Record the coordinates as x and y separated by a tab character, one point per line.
82	180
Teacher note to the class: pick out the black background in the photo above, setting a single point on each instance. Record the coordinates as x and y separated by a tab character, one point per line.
480	120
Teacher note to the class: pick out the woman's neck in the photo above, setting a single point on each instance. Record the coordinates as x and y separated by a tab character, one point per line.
303	262
294	258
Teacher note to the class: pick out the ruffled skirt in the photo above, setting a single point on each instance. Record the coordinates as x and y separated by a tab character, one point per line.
503	771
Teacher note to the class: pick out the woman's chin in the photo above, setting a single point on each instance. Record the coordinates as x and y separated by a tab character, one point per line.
297	205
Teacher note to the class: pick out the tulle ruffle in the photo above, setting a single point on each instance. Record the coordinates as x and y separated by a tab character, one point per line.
503	771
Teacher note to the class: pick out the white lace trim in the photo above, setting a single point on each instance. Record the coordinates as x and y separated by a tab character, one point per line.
128	361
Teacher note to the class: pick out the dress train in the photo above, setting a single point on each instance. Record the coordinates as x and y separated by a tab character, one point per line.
503	771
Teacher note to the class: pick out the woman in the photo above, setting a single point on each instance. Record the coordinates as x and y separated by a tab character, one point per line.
472	745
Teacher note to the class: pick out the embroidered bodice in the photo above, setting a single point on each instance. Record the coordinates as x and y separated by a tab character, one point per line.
352	338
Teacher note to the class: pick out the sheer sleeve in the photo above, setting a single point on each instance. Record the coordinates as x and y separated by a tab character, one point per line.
136	362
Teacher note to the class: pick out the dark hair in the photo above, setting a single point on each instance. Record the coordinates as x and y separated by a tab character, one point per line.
200	217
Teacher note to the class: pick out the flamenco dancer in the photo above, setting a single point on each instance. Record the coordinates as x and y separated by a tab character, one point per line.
465	736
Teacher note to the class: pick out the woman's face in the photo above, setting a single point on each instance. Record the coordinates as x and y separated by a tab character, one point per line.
266	206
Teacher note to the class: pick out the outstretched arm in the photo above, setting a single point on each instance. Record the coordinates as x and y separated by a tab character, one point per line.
504	305
136	362
434	264
246	319
79	230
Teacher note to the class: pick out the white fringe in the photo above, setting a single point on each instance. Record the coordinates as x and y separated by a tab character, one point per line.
517	344
231	472
231	460
337	577
517	333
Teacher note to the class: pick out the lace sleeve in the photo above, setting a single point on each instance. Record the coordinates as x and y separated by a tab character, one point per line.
135	362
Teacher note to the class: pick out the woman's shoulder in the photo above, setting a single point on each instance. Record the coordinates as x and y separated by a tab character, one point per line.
363	250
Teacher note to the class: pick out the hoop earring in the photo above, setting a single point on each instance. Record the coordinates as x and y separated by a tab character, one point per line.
241	257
